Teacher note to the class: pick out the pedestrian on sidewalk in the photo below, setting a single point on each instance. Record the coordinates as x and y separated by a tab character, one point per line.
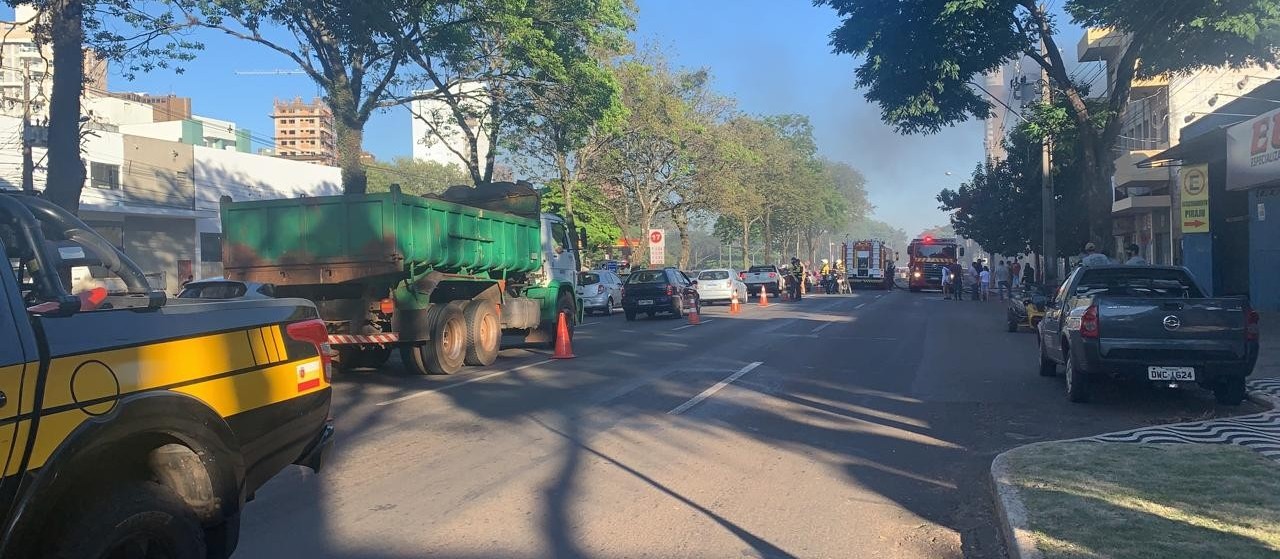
984	281
1135	256
1092	257
1002	280
946	282
1015	273
1028	274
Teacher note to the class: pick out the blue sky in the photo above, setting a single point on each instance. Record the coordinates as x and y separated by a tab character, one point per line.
771	55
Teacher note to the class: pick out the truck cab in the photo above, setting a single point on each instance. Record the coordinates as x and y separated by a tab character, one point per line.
130	420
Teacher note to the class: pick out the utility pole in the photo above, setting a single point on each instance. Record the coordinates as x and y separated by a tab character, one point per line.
1048	225
28	162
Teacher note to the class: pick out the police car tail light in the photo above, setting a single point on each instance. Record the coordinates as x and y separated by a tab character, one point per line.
1251	324
315	333
1089	322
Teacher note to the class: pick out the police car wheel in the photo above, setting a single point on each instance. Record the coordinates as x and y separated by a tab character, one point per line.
133	519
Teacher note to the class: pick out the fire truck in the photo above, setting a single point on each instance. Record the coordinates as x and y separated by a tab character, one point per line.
927	258
867	264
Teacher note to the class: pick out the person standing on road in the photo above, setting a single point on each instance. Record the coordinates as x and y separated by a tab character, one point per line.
957	280
984	282
946	282
1135	256
1002	280
1092	257
1028	274
797	273
1015	273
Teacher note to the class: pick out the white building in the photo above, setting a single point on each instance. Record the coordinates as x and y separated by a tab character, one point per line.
26	69
436	134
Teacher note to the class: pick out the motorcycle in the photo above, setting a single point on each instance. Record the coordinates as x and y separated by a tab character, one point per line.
1027	309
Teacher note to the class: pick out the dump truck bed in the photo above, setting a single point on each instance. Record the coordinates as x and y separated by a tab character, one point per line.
334	239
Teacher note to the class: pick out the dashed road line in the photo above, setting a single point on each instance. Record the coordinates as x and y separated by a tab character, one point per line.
690	325
714	388
457	384
820	327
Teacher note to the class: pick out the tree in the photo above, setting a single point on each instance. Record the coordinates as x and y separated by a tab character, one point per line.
737	191
920	73
352	49
519	57
140	38
592	215
414	176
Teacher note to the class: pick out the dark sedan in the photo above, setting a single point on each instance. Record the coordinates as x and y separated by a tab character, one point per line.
659	291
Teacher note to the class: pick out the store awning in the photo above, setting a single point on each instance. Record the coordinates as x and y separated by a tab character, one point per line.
1199	148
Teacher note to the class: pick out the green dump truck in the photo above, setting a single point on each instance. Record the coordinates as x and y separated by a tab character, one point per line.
440	279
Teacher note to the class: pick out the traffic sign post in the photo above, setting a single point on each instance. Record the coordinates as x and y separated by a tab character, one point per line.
657	247
1193	181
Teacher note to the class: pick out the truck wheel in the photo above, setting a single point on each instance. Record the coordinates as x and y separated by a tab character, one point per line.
446	351
1230	391
133	519
1048	367
484	334
1077	382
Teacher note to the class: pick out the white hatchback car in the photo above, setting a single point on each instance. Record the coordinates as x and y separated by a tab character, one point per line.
718	284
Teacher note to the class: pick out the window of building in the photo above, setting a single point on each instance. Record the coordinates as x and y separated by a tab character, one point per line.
211	247
104	175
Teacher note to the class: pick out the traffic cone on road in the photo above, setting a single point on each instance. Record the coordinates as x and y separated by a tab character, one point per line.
564	346
694	319
764	297
733	303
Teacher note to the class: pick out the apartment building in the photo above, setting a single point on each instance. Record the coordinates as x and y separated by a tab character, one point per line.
304	131
1146	197
436	134
26	69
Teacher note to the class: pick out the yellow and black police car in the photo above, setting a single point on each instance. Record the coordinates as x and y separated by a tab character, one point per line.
131	425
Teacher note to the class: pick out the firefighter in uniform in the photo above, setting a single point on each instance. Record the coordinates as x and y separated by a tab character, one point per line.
797	272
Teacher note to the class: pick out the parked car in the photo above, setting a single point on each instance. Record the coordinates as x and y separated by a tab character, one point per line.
222	288
601	291
719	284
1147	324
656	291
764	278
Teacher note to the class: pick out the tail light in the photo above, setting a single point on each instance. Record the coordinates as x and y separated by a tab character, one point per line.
1089	322
386	306
315	333
772	275
742	276
600	289
1251	324
671	290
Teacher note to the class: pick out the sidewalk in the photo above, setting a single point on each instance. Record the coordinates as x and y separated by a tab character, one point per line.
1069	498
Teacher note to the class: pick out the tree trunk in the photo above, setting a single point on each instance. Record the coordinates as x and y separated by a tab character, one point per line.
349	134
566	194
767	241
1098	194
681	219
66	169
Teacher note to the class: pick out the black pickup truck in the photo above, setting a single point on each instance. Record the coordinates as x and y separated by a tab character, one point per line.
136	425
1147	324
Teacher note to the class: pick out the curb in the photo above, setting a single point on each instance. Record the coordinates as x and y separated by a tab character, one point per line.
1018	541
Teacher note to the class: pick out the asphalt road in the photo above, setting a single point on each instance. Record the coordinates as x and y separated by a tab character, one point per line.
841	426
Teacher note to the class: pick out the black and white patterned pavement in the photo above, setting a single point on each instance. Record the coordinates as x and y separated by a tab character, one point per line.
1259	432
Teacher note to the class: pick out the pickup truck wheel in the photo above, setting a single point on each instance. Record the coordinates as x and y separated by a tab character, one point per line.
1230	391
1077	382
134	519
484	334
446	351
1048	367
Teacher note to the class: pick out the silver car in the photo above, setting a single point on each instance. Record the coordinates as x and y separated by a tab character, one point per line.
719	284
601	291
222	288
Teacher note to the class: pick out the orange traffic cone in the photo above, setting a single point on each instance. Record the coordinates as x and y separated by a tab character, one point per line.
694	319
564	347
733	303
764	297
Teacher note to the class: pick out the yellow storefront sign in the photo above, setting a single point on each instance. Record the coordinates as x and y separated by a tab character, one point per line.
1194	182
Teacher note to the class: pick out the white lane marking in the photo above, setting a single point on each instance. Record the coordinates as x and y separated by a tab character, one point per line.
820	327
689	325
589	324
714	388
457	384
860	306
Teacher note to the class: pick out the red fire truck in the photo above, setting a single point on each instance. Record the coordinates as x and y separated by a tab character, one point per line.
927	258
867	264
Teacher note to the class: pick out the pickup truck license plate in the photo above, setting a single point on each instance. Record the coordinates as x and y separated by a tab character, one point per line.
1171	373
646	301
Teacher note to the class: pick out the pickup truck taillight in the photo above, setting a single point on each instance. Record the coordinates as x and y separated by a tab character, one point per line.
1251	324
1089	322
315	333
